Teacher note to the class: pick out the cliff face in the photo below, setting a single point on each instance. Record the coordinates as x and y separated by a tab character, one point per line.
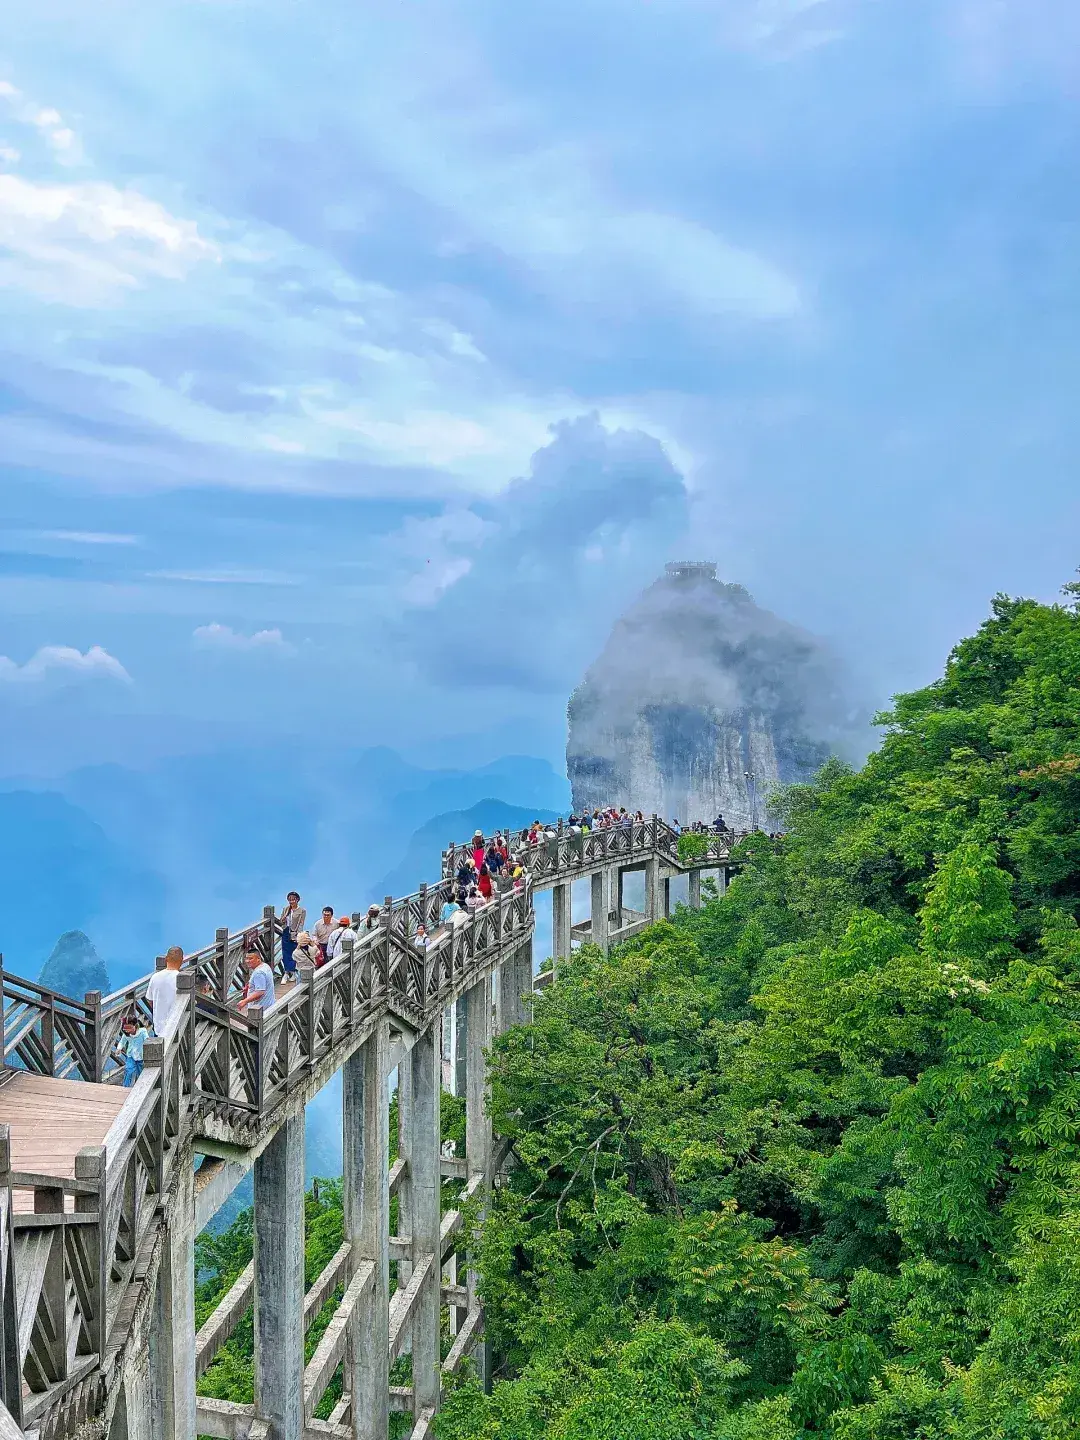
697	688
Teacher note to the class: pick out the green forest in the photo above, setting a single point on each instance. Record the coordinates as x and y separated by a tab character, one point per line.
804	1162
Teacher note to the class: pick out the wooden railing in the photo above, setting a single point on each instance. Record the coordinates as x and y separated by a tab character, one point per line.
560	851
48	1033
73	1247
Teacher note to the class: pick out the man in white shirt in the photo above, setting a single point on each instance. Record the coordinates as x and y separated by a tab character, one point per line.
260	989
161	989
337	940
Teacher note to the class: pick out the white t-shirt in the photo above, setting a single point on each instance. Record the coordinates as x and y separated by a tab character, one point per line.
161	993
337	940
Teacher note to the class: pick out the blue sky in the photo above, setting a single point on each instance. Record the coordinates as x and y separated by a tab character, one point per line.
359	361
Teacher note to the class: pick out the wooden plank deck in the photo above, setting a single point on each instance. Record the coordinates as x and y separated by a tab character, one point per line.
51	1120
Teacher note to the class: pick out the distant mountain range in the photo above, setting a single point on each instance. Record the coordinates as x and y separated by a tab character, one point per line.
137	859
423	857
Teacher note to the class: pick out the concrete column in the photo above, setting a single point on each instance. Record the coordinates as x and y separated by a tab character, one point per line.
132	1419
426	1185
721	880
405	1149
620	876
515	982
478	1144
694	879
653	896
601	907
365	1115
560	921
666	897
172	1332
279	1282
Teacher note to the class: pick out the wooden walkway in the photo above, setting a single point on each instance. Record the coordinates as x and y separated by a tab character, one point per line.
51	1120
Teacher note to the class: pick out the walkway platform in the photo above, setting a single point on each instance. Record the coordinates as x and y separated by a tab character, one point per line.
51	1120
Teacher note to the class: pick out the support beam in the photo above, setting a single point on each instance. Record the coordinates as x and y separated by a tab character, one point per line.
601	907
722	880
172	1333
215	1180
365	1113
560	921
426	1184
694	883
279	1282
330	1350
665	896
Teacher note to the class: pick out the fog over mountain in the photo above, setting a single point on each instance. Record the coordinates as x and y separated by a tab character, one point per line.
703	702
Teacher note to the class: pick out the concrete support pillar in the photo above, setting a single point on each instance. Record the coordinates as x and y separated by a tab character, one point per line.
515	983
279	1282
478	1144
694	879
365	1115
721	880
654	898
405	1152
601	907
620	877
426	1190
133	1419
560	921
172	1333
665	896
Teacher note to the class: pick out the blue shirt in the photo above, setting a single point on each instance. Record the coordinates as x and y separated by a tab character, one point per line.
260	988
133	1044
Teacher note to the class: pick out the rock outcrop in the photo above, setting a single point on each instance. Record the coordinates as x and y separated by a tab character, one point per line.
701	703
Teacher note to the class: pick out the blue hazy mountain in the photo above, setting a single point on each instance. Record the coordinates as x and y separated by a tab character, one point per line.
422	859
63	873
140	858
74	967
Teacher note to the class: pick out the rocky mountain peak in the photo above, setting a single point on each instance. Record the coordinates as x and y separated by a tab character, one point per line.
701	702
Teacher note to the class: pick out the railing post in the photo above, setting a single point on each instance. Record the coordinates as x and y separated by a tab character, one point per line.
92	1000
221	959
269	926
10	1375
3	1032
154	1059
90	1167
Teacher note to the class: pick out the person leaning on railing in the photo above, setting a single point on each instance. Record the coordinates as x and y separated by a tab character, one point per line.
259	994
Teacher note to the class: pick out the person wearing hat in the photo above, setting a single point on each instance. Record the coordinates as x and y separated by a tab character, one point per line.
308	953
343	932
478	849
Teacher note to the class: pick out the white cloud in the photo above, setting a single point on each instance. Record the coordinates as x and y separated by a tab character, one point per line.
49	124
63	662
224	637
224	577
88	537
82	243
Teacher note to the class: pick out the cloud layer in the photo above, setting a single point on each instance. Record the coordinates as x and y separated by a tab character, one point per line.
63	663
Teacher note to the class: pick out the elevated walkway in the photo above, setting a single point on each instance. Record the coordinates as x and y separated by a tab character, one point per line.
101	1197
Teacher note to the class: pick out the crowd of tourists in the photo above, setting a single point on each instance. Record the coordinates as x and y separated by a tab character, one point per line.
485	869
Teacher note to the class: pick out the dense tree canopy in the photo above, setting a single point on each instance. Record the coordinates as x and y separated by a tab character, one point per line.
804	1163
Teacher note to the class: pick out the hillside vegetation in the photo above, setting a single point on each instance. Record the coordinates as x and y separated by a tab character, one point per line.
804	1163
